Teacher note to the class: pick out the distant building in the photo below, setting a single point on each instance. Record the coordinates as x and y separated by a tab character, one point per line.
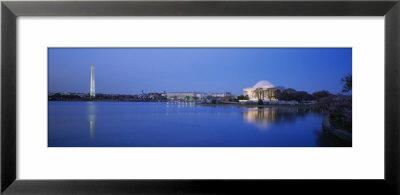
164	94
263	90
220	95
191	96
187	96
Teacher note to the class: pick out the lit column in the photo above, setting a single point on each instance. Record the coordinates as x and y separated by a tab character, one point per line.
92	83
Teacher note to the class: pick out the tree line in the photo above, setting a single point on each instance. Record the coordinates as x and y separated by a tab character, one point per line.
291	94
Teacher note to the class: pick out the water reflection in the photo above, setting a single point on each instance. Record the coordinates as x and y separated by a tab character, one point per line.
184	104
263	117
148	124
92	117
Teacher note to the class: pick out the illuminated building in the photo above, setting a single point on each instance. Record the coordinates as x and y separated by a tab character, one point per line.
184	95
263	90
92	83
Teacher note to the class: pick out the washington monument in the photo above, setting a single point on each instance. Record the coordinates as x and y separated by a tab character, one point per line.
92	83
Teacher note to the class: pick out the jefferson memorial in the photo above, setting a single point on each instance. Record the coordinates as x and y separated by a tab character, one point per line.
263	90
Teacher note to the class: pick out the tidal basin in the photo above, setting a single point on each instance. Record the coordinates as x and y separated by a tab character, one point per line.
183	124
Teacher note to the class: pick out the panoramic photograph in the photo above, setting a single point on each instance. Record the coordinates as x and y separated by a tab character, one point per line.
199	97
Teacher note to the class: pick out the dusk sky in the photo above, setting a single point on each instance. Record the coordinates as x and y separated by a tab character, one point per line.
130	70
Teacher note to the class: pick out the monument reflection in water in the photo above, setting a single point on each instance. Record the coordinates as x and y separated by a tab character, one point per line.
264	117
92	117
172	124
261	117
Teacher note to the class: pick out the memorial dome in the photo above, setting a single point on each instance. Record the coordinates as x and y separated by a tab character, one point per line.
263	84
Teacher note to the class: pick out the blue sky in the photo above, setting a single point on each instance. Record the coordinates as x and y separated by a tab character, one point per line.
130	70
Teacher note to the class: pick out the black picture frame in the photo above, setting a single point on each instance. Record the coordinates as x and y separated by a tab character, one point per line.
11	10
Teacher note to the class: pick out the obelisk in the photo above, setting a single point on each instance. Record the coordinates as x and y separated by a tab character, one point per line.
92	83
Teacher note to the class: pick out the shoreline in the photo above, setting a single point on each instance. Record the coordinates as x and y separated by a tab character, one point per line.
263	106
204	104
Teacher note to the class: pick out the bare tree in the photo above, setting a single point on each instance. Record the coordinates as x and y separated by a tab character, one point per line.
347	80
259	93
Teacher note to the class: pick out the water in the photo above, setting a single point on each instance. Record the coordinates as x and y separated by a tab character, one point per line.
167	124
